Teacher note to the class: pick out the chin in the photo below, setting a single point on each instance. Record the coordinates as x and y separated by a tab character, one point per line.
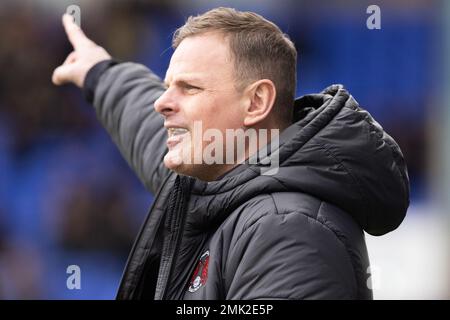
204	172
169	164
174	164
200	172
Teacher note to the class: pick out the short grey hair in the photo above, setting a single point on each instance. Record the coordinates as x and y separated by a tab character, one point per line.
259	48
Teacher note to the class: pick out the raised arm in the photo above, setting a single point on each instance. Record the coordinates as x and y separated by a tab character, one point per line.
123	96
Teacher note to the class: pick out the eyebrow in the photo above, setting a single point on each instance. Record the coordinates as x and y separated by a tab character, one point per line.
185	80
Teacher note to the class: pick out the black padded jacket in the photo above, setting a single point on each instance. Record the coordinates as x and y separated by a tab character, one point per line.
295	234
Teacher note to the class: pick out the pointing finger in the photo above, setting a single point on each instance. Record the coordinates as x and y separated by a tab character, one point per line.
76	36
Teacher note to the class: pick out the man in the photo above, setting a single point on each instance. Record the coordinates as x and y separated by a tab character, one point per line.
230	230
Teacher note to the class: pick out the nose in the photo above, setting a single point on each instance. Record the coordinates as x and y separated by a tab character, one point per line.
166	104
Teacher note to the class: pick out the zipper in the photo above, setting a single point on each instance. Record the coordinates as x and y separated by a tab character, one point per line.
175	225
139	236
168	264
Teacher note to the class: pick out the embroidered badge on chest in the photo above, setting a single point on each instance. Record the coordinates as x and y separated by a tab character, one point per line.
200	274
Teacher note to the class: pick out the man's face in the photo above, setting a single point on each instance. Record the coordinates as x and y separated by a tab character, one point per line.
201	87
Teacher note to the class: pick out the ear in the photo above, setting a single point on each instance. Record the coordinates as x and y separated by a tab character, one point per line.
261	96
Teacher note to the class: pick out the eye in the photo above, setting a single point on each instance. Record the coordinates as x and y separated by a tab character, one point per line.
190	88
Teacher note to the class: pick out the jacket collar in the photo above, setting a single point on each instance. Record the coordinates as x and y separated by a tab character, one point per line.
334	151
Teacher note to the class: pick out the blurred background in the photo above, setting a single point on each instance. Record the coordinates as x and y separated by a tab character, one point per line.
68	198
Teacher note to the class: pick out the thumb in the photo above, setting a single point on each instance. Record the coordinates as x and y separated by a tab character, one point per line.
63	74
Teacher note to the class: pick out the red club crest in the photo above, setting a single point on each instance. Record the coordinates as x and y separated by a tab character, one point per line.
200	274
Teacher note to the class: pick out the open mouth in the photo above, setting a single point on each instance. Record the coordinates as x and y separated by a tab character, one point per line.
176	135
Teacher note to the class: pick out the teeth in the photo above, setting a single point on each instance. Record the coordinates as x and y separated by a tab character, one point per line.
177	131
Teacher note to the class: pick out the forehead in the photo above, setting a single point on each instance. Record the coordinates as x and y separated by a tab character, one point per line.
206	55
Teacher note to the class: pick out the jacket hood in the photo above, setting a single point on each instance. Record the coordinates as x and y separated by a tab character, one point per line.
334	151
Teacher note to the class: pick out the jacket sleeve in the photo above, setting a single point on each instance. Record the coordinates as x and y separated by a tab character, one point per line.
123	97
288	256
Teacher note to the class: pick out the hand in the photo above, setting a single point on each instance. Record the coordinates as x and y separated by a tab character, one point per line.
85	55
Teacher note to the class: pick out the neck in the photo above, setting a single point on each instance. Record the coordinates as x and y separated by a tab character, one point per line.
255	145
